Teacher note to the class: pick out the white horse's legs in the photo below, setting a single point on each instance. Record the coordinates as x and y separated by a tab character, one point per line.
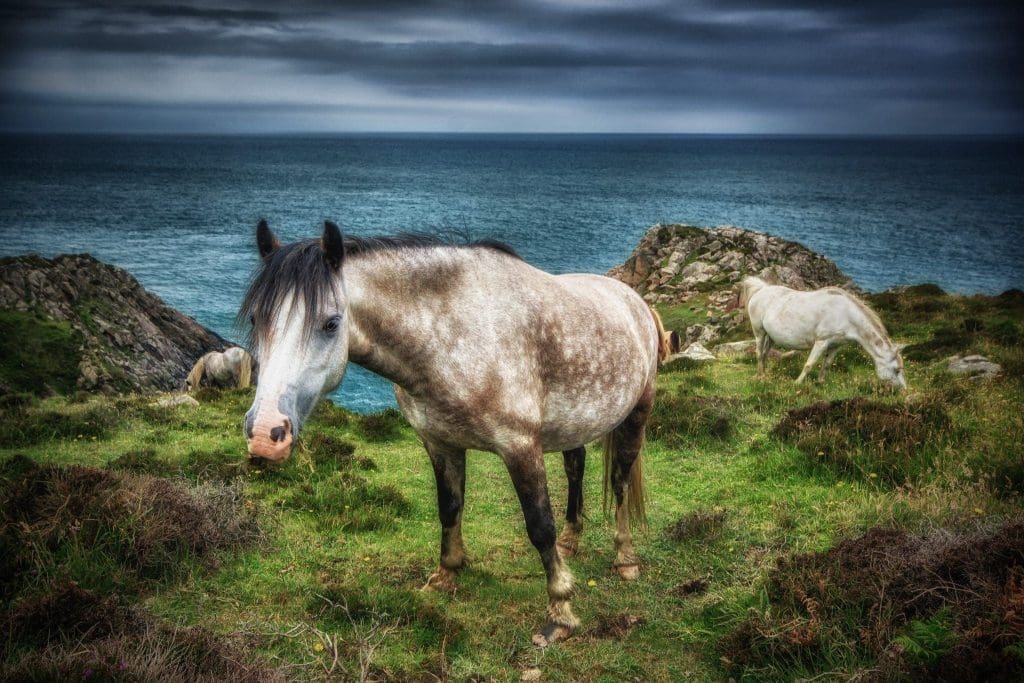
819	348
762	346
829	357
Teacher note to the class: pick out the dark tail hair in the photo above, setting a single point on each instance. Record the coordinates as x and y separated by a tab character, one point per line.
635	495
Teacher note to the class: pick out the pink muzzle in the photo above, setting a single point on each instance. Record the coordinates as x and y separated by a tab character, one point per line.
271	436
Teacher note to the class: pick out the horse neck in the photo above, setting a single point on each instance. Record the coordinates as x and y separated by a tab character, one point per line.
874	340
395	299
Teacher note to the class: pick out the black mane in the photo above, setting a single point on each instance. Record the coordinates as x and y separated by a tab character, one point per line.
300	268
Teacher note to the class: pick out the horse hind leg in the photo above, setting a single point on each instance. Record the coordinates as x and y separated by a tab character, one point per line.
762	345
830	355
569	540
624	474
450	474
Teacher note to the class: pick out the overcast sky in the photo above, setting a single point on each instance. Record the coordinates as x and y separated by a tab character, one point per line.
769	66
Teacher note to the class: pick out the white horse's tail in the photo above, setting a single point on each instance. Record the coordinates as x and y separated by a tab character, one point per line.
195	375
748	286
245	371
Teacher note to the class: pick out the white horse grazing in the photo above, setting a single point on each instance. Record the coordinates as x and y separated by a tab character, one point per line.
822	321
231	368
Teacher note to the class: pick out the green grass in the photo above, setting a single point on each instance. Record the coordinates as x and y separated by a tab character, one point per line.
349	531
37	356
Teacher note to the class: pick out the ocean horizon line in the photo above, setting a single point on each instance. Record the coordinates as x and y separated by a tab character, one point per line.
511	134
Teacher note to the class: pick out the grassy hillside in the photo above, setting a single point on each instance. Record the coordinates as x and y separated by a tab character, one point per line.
831	530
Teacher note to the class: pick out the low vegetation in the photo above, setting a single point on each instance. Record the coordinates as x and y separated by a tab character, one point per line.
835	531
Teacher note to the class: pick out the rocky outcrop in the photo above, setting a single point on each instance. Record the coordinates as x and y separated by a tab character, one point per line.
701	267
130	339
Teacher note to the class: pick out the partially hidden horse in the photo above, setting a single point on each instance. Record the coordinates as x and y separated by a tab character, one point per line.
822	321
486	352
232	367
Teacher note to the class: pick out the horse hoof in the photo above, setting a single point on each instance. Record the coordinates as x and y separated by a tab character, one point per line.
629	572
568	548
441	581
551	633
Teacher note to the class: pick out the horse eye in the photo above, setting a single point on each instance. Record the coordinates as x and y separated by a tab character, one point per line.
252	320
332	324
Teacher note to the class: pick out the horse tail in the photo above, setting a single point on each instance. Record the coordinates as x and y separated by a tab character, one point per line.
245	371
748	286
195	375
636	493
664	341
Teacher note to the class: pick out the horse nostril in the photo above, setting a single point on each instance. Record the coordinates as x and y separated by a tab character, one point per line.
277	434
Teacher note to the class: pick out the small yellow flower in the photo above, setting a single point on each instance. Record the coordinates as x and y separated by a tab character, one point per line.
979	511
591	583
319	647
366	559
873	475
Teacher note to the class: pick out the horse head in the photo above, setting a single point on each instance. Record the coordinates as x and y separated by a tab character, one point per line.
297	308
889	367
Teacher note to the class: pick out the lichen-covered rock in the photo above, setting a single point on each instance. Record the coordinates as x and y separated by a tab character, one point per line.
131	340
699	260
678	264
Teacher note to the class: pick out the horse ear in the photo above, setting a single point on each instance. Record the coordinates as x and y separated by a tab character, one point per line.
332	245
266	240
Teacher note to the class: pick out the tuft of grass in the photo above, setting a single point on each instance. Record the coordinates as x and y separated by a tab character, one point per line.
699	524
383	426
26	424
681	417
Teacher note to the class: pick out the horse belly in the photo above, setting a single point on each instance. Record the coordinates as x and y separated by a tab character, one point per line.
572	421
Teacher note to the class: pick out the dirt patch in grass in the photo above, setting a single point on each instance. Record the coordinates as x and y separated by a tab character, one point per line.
699	524
874	438
104	528
616	626
687	589
679	418
946	605
70	633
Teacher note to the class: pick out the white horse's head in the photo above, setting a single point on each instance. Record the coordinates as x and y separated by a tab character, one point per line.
889	366
297	307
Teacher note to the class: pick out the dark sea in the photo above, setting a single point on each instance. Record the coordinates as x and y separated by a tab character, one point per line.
179	212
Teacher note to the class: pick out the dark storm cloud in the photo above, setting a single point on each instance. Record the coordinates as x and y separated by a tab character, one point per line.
829	67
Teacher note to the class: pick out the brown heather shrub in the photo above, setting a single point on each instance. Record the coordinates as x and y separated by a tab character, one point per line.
863	601
69	633
857	435
86	522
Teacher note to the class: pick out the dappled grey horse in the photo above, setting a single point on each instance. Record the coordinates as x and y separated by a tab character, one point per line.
486	353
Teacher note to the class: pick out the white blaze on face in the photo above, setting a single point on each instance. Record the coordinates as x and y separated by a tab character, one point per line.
294	373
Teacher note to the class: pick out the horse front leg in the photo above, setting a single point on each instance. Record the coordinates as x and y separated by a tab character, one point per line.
819	348
526	467
569	540
450	474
